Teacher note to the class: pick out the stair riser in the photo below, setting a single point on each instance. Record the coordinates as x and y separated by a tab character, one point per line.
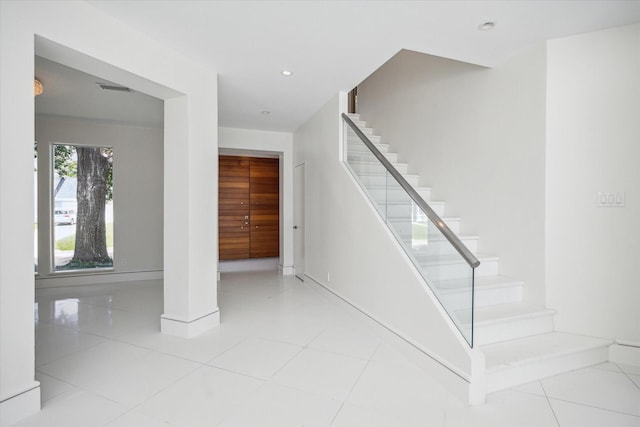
503	295
459	270
535	370
441	246
461	300
381	180
512	329
376	168
354	139
402	210
355	145
404	228
394	194
364	157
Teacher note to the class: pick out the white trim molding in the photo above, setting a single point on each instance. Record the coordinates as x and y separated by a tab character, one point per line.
21	405
189	328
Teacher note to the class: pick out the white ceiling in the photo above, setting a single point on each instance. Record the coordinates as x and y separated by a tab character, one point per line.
334	45
72	93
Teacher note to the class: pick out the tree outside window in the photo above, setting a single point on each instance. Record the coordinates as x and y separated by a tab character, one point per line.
83	209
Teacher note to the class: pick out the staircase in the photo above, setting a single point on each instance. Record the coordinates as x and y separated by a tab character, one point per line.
518	339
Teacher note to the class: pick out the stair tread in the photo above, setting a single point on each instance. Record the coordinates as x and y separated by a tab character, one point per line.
505	313
384	173
480	283
453	258
537	347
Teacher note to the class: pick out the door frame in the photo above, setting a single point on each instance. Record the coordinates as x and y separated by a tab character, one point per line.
299	191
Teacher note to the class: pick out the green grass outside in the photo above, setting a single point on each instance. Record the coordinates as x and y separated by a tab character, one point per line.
69	243
419	231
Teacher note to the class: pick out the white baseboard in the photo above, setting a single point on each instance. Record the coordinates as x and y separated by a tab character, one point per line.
287	270
625	353
83	278
189	328
252	264
20	406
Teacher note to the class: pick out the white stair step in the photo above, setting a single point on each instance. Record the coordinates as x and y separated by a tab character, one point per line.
376	167
439	268
355	145
439	245
495	290
523	360
354	141
396	193
490	290
504	322
401	210
368	157
378	179
354	116
360	123
404	227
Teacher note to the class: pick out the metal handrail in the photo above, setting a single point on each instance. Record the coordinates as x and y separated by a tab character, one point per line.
444	229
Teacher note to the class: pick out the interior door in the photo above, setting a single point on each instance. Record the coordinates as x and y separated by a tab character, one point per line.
233	203
298	220
265	207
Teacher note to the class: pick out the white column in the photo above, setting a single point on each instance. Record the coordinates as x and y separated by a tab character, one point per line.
190	215
19	392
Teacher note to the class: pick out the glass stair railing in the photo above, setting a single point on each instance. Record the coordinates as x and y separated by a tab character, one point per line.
445	263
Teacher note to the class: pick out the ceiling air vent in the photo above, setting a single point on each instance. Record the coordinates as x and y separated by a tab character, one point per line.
107	86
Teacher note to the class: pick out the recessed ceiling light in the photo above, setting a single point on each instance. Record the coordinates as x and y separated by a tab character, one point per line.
265	112
286	73
489	25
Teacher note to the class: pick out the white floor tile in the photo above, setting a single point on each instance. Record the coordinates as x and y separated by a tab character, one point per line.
291	329
75	409
201	348
597	388
506	408
348	341
403	392
354	416
329	374
51	387
278	406
202	398
288	354
83	366
629	369
534	388
388	355
132	383
573	415
54	342
607	366
135	419
256	357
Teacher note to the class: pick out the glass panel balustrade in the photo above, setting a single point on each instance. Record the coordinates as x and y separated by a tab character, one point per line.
424	236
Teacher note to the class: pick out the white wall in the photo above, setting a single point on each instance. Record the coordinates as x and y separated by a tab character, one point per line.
73	33
476	136
138	190
349	250
250	142
593	144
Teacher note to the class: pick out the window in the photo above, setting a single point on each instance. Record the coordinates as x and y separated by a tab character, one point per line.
82	211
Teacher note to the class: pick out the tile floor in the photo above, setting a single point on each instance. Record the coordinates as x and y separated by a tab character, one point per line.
286	354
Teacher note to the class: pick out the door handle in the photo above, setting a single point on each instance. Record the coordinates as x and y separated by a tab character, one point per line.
295	227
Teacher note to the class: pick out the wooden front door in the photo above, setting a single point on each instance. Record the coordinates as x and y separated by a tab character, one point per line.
249	222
